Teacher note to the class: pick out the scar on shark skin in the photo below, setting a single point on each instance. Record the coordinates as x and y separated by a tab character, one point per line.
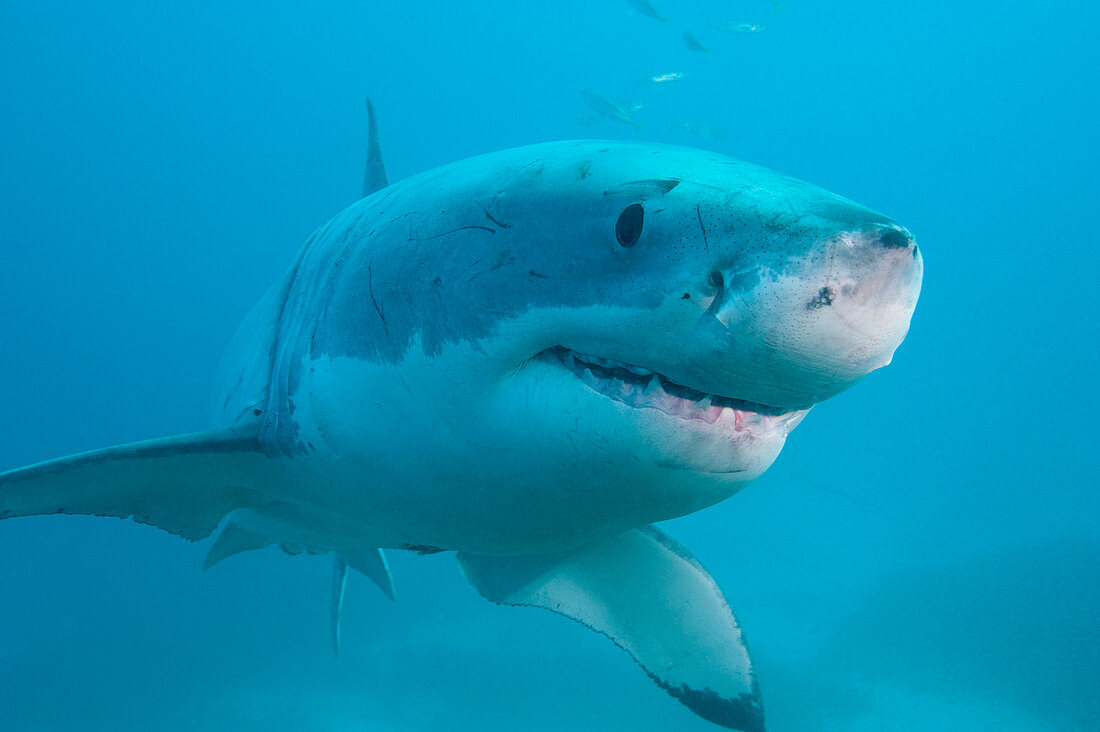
374	301
452	231
699	215
492	218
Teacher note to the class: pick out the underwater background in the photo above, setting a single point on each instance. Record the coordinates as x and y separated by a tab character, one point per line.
924	554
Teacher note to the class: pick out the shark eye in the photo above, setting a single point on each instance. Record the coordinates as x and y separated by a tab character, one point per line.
628	229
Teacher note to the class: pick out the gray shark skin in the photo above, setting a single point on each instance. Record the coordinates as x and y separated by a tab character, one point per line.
528	358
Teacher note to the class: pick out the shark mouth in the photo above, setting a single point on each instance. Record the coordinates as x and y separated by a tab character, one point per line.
642	388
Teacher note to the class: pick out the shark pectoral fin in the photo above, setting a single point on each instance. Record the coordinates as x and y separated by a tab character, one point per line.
653	599
184	485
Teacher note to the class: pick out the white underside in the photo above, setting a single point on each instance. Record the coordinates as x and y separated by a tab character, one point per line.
456	452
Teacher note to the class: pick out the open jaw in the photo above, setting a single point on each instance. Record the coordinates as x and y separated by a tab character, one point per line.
645	389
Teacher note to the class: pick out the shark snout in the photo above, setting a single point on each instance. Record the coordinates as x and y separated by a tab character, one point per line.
793	334
877	272
862	312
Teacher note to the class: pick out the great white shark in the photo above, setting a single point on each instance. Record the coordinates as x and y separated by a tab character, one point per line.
529	358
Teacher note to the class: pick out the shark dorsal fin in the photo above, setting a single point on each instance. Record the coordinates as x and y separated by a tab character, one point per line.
374	178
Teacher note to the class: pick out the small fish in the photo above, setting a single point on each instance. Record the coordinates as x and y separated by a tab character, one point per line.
665	78
734	26
604	107
643	7
778	5
699	129
693	43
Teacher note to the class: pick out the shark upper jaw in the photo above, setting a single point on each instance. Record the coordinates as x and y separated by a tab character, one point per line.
642	388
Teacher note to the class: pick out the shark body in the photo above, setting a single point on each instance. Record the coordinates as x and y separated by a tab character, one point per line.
529	358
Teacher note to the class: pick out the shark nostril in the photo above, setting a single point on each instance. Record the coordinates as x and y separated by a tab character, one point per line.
823	299
894	239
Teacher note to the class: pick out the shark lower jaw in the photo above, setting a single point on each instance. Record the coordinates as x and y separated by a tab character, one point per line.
642	388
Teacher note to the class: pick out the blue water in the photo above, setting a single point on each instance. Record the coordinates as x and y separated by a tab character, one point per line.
924	554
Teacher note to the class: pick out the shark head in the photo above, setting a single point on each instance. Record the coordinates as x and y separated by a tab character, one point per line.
642	324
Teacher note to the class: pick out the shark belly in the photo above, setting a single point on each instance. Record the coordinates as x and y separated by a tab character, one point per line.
415	475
